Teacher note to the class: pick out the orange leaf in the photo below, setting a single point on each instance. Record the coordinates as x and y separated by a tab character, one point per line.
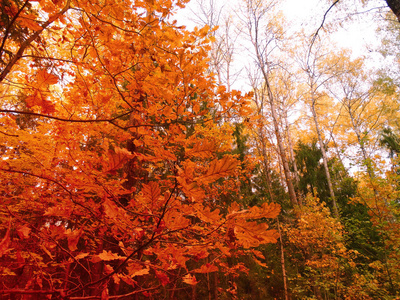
260	263
44	78
37	99
23	232
205	149
31	24
108	255
267	210
207	268
73	238
136	269
81	255
189	279
117	158
220	168
253	234
151	191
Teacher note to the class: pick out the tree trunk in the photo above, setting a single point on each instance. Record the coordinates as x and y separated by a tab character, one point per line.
291	153
394	5
281	149
324	159
254	14
283	262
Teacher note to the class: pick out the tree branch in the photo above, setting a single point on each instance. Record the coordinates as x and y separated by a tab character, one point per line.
33	37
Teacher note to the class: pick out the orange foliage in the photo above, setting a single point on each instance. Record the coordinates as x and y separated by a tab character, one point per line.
110	153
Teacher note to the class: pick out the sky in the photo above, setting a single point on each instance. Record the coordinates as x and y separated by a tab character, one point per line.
358	35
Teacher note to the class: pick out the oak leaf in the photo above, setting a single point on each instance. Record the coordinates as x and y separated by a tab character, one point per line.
163	278
219	168
136	269
190	279
117	158
207	268
205	149
108	255
253	234
81	255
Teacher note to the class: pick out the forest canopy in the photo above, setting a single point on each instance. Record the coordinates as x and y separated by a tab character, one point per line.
132	169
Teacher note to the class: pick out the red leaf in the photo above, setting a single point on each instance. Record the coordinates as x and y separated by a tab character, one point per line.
5	241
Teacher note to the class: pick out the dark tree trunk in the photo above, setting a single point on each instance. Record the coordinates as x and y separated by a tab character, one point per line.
394	5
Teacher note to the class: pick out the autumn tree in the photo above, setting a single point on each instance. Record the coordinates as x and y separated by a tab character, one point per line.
265	37
318	68
113	160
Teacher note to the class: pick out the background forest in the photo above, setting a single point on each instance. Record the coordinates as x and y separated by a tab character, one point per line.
243	159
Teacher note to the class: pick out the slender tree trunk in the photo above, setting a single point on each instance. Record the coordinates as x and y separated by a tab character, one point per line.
283	262
281	149
255	12
291	153
324	159
293	161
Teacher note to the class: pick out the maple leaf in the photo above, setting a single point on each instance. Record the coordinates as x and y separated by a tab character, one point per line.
45	78
37	99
